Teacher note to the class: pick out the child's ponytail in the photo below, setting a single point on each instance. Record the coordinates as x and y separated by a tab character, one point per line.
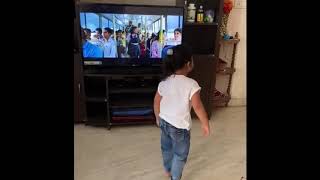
168	69
176	58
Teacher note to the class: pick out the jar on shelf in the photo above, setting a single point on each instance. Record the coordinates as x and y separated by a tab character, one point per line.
191	13
209	16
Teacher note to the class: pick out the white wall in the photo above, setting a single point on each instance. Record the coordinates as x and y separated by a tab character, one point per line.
237	23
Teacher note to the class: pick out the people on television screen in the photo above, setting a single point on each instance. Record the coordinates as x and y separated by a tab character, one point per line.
157	45
148	35
177	36
109	45
148	46
99	34
176	39
120	43
142	47
87	33
97	38
173	42
140	30
89	50
133	45
133	39
128	27
162	37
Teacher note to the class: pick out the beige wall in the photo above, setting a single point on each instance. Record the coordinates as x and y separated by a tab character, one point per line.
139	2
237	23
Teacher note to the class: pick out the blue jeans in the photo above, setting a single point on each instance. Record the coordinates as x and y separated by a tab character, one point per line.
175	144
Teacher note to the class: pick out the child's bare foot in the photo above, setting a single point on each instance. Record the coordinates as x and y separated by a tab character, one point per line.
167	174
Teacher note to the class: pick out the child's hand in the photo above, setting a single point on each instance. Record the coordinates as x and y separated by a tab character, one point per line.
205	130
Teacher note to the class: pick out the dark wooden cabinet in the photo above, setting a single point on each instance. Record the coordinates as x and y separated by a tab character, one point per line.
107	95
78	90
79	112
203	74
203	38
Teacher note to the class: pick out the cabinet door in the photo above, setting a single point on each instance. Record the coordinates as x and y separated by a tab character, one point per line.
204	74
78	94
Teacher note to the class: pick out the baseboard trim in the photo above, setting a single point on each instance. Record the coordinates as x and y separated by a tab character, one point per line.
237	102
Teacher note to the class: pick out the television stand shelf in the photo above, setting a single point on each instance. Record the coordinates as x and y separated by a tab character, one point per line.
107	95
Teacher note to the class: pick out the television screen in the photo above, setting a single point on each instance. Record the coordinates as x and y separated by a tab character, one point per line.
129	32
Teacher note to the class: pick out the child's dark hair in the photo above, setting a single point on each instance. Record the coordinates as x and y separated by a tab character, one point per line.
176	58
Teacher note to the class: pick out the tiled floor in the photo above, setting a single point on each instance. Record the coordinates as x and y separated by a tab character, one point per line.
133	152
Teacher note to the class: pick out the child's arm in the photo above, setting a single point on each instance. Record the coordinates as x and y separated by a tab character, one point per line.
156	106
201	113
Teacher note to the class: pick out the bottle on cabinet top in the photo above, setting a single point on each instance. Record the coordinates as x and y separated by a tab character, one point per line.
200	15
191	13
185	11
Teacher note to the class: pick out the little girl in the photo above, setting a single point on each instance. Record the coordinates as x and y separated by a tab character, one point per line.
172	105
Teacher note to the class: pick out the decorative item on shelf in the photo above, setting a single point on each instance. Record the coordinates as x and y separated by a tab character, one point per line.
185	11
200	15
222	61
217	95
237	35
209	16
221	67
191	13
227	7
227	37
225	70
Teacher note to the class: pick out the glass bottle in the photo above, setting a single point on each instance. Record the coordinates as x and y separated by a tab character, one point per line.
200	15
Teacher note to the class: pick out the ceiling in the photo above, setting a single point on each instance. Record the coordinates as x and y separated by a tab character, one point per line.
123	19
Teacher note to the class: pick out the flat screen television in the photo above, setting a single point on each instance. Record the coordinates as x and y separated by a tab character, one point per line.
128	34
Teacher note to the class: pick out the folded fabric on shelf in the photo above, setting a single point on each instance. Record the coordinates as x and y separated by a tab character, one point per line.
132	112
133	118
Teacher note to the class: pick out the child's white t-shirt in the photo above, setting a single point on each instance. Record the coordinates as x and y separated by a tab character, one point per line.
175	105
